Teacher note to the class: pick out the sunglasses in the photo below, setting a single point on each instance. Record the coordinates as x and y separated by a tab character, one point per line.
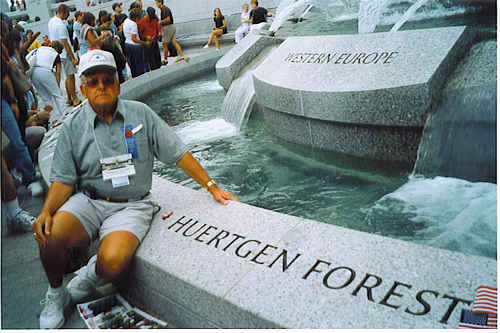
94	82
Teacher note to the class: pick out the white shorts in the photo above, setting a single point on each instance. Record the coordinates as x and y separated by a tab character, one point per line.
100	217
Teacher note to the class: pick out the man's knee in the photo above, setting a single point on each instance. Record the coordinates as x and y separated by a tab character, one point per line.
66	232
112	264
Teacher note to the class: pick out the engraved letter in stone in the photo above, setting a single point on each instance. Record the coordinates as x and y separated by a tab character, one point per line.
352	275
452	306
179	222
313	269
392	292
426	305
237	252
285	263
262	253
368	288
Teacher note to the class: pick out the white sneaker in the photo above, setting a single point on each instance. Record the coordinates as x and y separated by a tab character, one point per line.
22	221
81	287
35	188
206	46
52	315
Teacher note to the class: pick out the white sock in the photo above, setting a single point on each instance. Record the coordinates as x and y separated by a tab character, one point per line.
91	271
56	291
12	207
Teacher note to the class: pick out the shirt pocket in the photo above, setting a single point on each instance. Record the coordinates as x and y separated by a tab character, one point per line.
143	147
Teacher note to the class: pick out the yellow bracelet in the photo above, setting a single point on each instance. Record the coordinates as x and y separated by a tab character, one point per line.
210	183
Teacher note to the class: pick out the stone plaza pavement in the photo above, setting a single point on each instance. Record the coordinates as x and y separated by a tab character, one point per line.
23	280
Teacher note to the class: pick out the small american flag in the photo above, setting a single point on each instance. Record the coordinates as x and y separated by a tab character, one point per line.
484	310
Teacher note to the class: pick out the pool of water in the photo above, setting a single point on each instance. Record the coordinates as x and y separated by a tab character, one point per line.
354	193
336	18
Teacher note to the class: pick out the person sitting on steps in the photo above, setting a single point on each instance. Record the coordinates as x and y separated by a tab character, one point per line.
220	28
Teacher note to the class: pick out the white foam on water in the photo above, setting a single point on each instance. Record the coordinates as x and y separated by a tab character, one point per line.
456	214
195	132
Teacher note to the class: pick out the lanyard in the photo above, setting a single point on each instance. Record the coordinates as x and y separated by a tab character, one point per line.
97	143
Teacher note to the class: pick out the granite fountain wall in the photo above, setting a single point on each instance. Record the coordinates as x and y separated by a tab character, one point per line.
362	95
238	266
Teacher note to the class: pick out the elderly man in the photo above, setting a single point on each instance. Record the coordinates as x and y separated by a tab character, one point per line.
101	177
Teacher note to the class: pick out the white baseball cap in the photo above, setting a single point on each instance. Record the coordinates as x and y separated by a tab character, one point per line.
96	59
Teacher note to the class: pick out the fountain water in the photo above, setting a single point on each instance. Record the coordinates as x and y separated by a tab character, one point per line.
369	15
236	108
286	9
409	13
239	100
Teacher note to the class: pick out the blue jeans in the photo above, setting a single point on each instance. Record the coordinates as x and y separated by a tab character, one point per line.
17	150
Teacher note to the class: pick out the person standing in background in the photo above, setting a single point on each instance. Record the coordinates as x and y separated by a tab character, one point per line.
149	30
134	46
168	32
58	31
77	30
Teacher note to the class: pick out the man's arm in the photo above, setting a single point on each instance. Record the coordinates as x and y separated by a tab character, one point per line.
194	170
58	73
71	56
58	194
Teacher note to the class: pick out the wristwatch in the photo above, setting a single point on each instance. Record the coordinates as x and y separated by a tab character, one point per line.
209	183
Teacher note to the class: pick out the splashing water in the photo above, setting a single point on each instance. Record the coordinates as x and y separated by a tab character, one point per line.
287	9
369	15
443	212
239	100
409	13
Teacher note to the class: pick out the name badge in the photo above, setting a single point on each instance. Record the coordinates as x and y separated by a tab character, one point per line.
118	169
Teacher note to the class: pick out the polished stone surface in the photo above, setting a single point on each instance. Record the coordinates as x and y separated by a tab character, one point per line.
230	65
238	287
376	79
383	143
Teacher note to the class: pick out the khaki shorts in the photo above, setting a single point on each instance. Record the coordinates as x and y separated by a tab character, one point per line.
100	218
168	32
69	67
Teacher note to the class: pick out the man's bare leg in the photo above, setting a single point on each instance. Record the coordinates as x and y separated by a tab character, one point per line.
178	48
67	232
165	51
115	253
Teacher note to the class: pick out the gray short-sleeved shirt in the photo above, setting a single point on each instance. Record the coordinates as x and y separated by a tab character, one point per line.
76	157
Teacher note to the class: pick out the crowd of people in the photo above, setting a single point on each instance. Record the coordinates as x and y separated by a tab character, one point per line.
97	51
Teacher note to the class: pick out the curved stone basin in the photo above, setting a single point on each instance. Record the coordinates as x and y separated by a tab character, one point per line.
363	95
240	266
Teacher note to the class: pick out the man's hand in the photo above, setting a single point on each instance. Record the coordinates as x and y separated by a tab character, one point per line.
41	228
75	61
221	195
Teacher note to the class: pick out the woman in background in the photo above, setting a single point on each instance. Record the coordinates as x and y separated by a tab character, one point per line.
220	28
89	37
149	30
